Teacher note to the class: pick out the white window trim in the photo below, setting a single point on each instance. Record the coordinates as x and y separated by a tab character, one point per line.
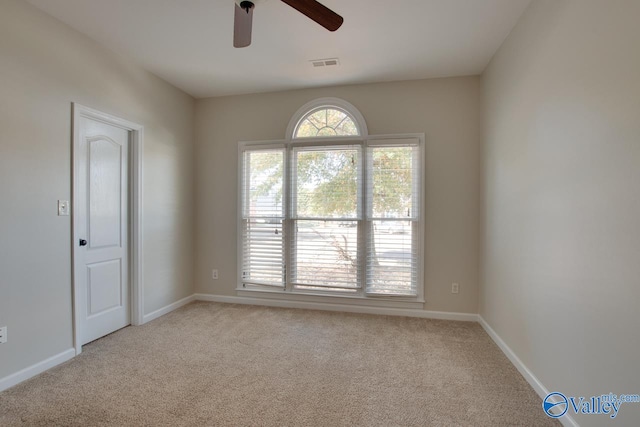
326	298
361	295
327	102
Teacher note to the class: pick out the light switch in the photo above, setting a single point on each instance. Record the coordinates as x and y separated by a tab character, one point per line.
63	207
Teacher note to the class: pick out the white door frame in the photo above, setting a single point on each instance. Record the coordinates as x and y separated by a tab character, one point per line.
135	214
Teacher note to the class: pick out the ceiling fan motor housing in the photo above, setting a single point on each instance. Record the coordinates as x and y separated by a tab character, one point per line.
247	5
255	2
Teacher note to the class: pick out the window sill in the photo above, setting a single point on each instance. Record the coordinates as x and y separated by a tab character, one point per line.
322	298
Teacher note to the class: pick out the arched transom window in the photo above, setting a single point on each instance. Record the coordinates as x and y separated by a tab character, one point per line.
326	121
327	118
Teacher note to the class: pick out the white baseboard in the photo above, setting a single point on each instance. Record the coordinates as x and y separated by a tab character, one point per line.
36	369
349	308
539	388
168	309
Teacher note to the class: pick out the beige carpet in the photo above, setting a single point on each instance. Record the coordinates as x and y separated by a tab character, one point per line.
232	365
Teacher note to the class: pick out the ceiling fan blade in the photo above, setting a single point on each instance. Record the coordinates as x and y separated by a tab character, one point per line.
317	12
242	27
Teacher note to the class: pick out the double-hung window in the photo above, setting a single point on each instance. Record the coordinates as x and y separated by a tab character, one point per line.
326	210
263	215
337	215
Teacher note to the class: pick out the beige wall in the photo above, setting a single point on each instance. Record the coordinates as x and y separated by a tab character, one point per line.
561	190
446	110
44	66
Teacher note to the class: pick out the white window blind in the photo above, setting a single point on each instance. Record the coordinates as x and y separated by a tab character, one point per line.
262	217
326	255
325	206
393	201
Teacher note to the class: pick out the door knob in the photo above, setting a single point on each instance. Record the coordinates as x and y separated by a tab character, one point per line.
83	242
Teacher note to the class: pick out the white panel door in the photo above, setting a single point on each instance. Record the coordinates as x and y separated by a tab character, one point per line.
102	264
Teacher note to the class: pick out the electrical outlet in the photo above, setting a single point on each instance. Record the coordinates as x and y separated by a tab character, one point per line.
3	335
214	274
63	207
455	288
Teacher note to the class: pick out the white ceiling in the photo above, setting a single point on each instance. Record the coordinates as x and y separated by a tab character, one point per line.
189	42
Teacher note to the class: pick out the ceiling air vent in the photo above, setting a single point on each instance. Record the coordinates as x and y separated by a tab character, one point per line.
328	62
